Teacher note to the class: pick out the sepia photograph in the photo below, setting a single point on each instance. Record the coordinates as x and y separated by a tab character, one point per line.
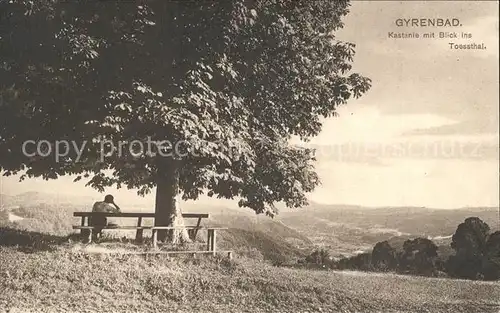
288	156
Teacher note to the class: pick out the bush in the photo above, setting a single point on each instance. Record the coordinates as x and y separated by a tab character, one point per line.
490	268
319	257
477	254
492	247
361	262
470	237
250	253
384	257
419	257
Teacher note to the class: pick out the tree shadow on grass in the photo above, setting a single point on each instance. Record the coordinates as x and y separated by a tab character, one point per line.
28	241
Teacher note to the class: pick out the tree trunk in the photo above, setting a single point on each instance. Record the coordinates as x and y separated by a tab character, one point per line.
167	209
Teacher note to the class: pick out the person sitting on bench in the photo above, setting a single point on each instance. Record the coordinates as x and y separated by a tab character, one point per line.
108	205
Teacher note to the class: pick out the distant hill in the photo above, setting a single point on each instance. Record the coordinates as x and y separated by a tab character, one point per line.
5	200
35	198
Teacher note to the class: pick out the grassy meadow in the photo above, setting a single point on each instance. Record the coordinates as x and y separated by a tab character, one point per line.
42	269
67	279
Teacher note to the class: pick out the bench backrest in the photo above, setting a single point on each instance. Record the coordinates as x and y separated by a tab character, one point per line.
137	214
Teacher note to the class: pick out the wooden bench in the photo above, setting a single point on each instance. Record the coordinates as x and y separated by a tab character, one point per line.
211	236
193	230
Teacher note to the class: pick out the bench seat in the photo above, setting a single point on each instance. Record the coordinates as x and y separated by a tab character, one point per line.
87	230
138	214
148	227
85	216
136	227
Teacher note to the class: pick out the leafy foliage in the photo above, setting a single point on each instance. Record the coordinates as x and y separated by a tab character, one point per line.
493	244
384	256
491	264
470	237
476	251
419	257
477	255
231	80
319	257
361	262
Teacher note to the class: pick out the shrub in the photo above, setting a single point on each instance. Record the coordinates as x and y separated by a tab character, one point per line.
419	257
491	261
477	254
470	237
319	257
250	253
384	257
362	262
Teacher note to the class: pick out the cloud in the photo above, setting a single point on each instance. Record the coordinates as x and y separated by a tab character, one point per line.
368	124
366	135
468	127
421	148
410	182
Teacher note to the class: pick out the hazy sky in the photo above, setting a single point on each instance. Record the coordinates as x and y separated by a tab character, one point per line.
426	134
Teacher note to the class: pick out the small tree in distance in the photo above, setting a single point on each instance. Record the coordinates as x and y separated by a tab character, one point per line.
384	257
319	257
470	245
419	257
227	82
491	264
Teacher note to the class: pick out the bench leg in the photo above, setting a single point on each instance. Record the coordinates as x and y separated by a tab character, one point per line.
154	238
82	224
91	235
213	245
191	234
209	239
139	232
211	242
195	231
84	234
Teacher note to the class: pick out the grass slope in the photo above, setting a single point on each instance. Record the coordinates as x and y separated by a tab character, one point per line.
65	280
248	234
261	237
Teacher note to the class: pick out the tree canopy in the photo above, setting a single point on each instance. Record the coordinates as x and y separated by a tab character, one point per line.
231	80
384	257
470	237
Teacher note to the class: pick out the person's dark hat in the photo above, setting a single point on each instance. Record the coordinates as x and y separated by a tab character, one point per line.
109	199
